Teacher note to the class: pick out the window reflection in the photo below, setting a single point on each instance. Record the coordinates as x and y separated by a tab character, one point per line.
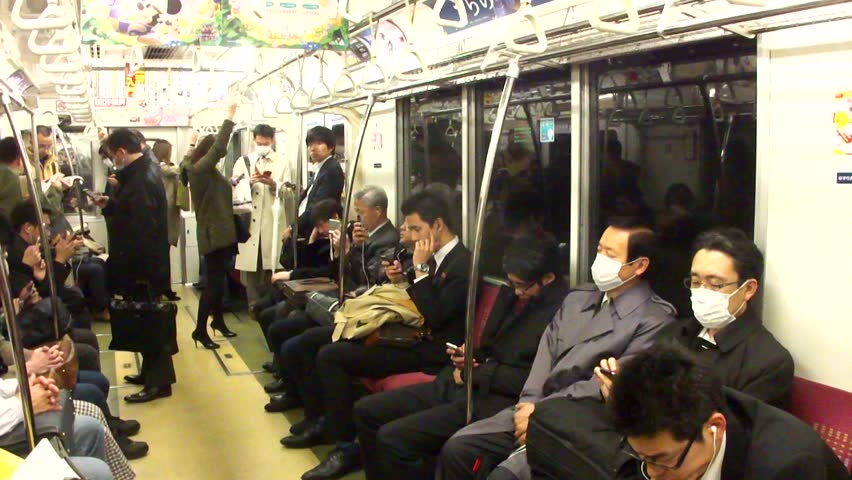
531	183
676	145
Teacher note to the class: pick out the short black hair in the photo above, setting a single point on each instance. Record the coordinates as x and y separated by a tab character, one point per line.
733	242
430	207
44	131
642	242
665	389
124	138
323	135
532	257
24	212
324	210
263	130
9	150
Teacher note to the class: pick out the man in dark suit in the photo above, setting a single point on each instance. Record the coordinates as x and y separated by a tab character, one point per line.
402	431
727	331
138	264
327	181
678	422
438	290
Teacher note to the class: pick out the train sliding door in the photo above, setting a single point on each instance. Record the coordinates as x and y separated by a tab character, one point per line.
676	145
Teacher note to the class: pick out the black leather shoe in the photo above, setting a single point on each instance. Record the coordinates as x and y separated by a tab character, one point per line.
299	428
274	387
126	428
312	436
132	450
172	296
135	379
149	393
268	367
338	464
223	330
282	403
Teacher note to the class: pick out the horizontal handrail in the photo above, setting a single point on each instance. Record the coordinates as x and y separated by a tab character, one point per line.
630	26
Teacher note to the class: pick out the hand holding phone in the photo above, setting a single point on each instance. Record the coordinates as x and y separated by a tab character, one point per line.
456	350
334	224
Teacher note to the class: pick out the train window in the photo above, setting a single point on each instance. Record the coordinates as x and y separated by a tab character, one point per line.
82	153
676	145
531	182
435	146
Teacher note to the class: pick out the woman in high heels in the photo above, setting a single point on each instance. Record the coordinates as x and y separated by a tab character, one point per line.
217	235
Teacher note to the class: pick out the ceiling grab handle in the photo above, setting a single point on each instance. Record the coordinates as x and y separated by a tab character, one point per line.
63	63
53	17
522	14
341	89
69	90
749	3
69	79
343	11
412	52
301	99
666	18
460	9
321	86
62	41
374	66
630	26
284	105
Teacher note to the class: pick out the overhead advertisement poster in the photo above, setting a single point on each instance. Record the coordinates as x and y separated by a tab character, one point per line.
307	24
842	120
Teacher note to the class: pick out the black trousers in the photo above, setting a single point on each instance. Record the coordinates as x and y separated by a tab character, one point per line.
213	295
476	456
402	431
91	276
283	329
328	388
158	369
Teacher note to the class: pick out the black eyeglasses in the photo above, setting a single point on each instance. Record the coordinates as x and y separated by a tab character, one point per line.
691	283
522	288
628	450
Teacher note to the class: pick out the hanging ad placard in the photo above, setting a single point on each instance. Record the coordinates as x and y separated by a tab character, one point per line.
306	24
842	120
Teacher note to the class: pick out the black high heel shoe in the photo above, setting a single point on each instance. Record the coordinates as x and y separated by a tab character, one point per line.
204	339
223	330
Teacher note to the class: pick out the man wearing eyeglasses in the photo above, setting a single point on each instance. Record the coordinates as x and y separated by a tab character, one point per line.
727	332
620	318
679	423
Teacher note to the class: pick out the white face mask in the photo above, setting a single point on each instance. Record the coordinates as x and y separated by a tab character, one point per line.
262	150
712	309
605	273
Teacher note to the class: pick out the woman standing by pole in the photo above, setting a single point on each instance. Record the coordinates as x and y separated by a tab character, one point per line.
217	235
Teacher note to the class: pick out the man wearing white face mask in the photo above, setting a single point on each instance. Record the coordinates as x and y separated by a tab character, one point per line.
620	317
259	177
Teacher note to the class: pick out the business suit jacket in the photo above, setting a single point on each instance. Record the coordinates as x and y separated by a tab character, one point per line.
16	256
766	443
746	356
328	183
580	335
442	300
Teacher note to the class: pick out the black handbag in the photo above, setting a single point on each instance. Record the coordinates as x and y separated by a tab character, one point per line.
143	326
241	224
396	335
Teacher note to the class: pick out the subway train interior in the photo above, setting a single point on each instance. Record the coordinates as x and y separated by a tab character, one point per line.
282	136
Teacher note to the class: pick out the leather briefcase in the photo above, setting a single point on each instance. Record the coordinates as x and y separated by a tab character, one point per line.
396	335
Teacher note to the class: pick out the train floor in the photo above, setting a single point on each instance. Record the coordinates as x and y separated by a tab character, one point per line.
213	427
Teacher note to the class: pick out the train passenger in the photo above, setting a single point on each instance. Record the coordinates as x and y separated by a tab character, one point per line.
260	178
162	151
327	179
401	432
679	422
326	371
217	235
727	331
138	265
619	318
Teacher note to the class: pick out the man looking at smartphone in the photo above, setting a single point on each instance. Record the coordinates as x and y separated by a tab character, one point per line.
262	175
402	431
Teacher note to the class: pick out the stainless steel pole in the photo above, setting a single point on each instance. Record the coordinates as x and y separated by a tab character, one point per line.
75	170
294	235
17	350
481	208
351	169
35	194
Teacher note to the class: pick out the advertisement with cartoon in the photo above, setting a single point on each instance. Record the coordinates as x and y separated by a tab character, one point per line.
308	24
150	22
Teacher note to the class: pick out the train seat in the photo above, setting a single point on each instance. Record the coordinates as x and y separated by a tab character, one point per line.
829	411
488	289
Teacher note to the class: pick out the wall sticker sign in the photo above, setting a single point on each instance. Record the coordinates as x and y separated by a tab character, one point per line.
842	120
844	178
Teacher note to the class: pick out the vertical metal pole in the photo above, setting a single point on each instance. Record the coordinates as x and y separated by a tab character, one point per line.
74	165
511	76
294	235
35	194
351	169
17	350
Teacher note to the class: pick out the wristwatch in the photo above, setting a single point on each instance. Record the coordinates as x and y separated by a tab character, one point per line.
422	267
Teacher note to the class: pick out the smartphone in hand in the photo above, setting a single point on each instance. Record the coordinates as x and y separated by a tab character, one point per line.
456	349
